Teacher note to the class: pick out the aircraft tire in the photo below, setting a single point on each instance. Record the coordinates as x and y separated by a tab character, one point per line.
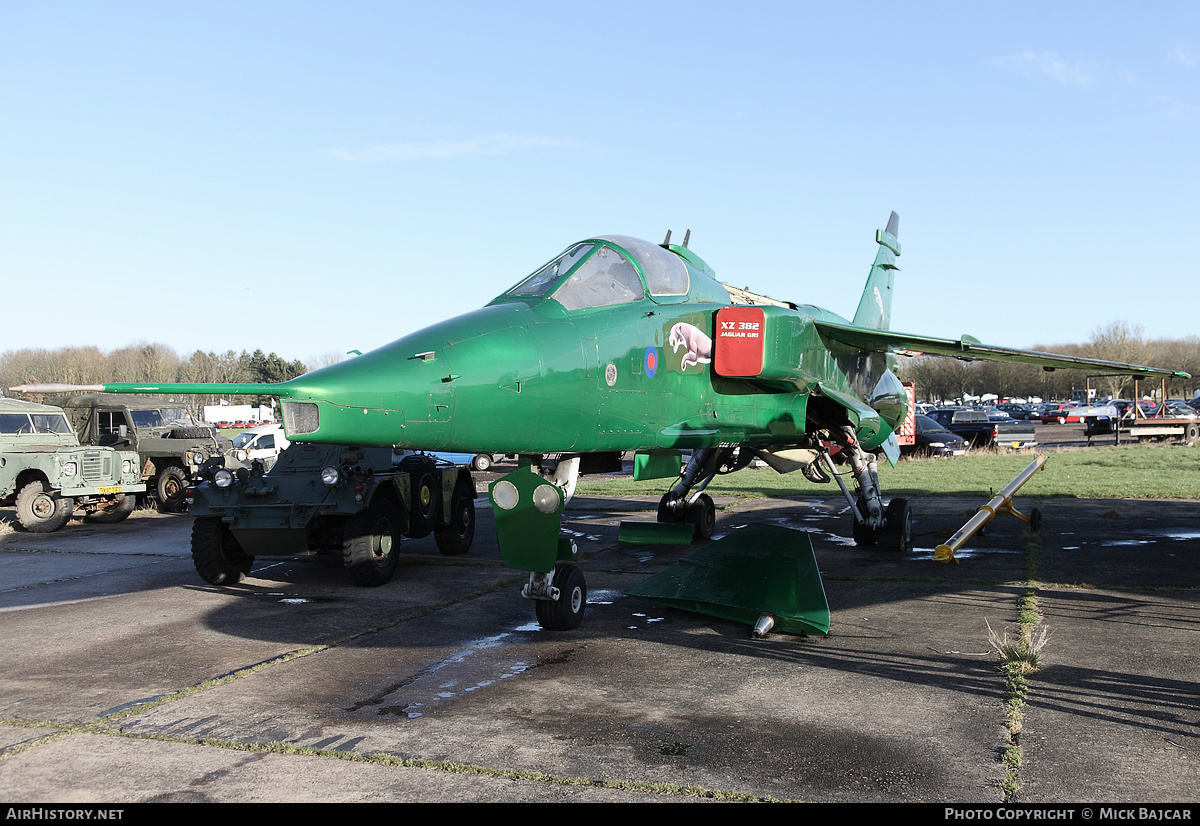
703	516
1035	520
456	539
39	511
218	557
666	514
117	511
897	525
481	461
371	548
566	612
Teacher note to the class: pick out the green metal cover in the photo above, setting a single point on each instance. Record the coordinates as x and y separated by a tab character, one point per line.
655	533
756	570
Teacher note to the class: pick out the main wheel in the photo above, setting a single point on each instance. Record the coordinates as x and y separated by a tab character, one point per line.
666	514
218	557
371	549
897	525
566	612
703	516
171	489
40	511
456	539
863	534
481	461
117	510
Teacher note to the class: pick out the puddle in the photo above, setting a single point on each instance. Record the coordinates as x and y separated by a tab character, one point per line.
479	664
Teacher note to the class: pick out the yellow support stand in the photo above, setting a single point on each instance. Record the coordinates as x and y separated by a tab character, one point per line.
1000	503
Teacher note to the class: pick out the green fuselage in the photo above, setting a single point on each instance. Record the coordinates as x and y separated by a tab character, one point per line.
517	377
614	345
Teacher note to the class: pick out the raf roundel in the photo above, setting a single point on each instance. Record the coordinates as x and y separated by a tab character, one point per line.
651	361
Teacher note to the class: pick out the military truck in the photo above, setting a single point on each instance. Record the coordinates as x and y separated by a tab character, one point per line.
172	446
46	474
352	502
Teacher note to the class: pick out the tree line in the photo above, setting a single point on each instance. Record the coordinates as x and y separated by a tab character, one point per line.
938	379
149	363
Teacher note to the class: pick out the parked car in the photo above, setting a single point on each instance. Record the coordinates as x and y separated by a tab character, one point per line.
1061	413
1016	411
46	474
264	443
170	444
1174	409
979	430
934	440
477	461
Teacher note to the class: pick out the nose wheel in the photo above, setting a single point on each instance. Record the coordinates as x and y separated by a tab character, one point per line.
565	612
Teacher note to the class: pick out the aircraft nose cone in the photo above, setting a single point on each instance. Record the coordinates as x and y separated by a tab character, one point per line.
383	397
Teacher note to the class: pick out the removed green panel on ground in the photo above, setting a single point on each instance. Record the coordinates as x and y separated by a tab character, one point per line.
756	570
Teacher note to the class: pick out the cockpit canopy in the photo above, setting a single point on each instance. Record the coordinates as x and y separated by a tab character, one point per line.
606	271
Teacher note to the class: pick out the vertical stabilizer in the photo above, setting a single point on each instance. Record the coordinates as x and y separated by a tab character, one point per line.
875	306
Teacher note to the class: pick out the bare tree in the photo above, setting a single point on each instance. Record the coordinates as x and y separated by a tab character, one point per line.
1118	341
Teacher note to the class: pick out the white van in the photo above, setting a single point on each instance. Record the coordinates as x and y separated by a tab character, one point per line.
264	442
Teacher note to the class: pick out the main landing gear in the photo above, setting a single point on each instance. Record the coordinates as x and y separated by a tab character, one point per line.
874	524
686	502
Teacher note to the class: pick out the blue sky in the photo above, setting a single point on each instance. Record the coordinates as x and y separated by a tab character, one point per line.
318	177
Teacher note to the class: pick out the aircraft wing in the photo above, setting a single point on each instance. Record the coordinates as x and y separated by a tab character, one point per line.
848	338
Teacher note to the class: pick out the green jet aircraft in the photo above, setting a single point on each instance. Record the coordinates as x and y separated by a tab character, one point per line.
619	345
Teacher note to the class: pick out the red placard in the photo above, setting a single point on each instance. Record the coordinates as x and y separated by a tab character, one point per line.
738	348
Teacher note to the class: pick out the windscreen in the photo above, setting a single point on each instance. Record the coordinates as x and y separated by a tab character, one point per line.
546	277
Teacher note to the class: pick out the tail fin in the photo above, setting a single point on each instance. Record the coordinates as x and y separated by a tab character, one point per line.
875	306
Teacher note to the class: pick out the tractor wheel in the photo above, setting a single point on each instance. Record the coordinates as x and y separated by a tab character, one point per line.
218	557
456	539
371	549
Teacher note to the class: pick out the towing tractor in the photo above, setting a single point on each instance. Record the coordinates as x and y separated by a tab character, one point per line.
356	503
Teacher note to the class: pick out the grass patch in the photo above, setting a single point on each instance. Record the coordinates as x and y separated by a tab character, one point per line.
1126	472
1019	658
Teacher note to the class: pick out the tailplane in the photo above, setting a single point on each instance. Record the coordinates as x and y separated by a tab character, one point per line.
875	306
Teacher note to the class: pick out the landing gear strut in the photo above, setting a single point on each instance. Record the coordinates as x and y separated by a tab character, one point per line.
874	524
686	502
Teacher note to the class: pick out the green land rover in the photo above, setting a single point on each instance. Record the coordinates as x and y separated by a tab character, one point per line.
47	475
